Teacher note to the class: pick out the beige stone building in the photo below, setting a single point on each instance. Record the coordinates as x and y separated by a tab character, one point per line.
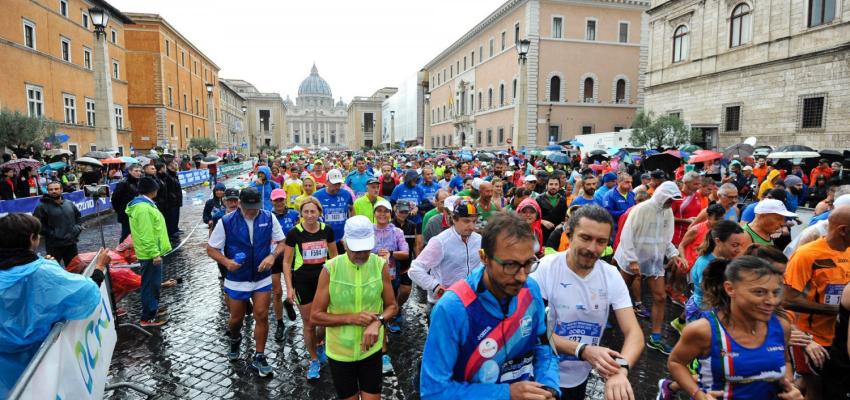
582	75
776	70
364	119
265	117
232	134
314	120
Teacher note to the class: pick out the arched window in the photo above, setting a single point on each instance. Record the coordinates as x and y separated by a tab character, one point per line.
588	90
514	89
621	91
555	89
490	98
680	43
740	25
501	95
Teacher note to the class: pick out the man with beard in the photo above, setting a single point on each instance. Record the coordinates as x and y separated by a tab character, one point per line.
388	181
125	191
485	204
60	224
588	188
580	289
172	195
553	206
794	187
429	188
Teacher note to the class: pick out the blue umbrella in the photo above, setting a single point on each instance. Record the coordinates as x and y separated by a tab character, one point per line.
553	147
54	166
559	158
613	151
61	137
129	160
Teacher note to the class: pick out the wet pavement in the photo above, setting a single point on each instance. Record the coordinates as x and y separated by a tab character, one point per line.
186	358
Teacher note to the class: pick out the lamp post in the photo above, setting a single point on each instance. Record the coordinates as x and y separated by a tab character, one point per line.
520	133
392	130
211	111
242	134
427	119
106	133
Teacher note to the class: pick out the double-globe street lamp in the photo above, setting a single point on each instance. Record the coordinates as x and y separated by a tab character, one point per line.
106	132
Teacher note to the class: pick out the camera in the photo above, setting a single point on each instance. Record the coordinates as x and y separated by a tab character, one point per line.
96	191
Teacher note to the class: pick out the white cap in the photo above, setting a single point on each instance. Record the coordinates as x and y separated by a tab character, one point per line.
748	168
530	178
449	202
359	233
476	183
773	206
842	200
383	203
334	176
509	174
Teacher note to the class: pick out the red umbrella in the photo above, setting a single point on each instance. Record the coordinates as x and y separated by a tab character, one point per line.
704	156
112	161
596	167
21	163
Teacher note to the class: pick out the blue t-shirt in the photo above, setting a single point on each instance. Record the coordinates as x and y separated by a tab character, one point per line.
414	195
287	220
335	210
696	275
749	213
456	184
820	217
357	181
430	190
581	201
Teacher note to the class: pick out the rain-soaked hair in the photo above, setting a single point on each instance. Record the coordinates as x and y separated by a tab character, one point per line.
17	230
722	270
722	230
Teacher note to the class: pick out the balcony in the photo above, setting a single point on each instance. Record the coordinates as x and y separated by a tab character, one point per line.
462	119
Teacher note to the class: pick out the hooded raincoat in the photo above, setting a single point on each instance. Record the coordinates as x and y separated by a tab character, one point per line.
536	226
767	184
646	236
266	188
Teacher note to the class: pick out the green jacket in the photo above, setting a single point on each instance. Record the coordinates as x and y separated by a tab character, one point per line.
147	226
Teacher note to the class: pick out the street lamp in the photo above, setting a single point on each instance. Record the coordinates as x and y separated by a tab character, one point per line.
210	87
244	110
99	18
522	48
211	110
105	129
519	138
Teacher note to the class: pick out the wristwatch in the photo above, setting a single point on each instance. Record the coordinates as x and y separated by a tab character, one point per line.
622	362
381	319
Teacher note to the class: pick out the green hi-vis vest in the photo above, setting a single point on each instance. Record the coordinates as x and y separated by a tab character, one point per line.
312	254
353	289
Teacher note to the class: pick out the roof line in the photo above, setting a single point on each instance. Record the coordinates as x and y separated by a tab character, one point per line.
113	11
158	18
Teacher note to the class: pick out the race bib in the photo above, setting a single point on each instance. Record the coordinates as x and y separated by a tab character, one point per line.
335	216
833	294
578	331
314	252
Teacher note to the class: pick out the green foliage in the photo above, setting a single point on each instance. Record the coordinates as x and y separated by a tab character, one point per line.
19	131
203	144
664	131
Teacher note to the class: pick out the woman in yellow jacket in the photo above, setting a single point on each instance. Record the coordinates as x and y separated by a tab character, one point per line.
772	177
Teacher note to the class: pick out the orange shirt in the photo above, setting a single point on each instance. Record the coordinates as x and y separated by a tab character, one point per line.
760	173
820	274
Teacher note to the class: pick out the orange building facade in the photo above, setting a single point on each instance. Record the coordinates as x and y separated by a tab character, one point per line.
168	100
46	56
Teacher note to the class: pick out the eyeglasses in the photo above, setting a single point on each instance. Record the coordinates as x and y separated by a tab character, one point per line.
512	267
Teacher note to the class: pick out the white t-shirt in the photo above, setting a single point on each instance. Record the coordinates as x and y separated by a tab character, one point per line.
217	238
578	307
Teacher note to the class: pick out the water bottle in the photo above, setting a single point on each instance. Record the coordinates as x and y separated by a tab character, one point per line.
239	258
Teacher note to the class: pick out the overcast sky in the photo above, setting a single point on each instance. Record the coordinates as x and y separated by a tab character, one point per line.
358	46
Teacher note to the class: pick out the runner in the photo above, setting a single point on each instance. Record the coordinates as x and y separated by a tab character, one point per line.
336	205
364	205
293	186
770	218
411	193
391	246
287	219
413	238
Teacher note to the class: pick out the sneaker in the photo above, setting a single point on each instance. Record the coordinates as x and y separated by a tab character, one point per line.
261	365
162	311
320	351
278	332
290	310
641	311
387	365
313	371
664	391
120	312
152	322
393	327
658	344
679	299
233	354
677	325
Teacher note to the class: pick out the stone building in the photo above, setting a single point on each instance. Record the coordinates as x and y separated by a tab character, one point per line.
582	75
775	70
364	119
265	117
168	78
314	120
47	66
232	133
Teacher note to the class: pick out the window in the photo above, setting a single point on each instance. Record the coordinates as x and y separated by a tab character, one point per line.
501	135
87	57
492	46
618	128
170	97
85	20
457	67
732	118
69	106
119	117
195	66
73	149
480	54
554	133
490	98
590	31
185	102
624	32
480	102
680	43
186	131
63	7
92	147
557	27
588	90
555	88
586	129
479	137
489	136
812	116
183	58
113	34
513	89
464	63
675	114
501	95
368	122
504	39
516	34
65	49
451	71
821	12
115	71
120	150
197	108
167	48
472	59
90	112
740	25
29	34
620	94
35	101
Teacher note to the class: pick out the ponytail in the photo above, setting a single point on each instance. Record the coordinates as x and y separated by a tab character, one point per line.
722	230
720	271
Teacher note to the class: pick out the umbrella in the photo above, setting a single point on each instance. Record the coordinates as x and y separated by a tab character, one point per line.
613	151
21	163
676	153
100	155
762	151
61	137
211	159
704	156
742	150
690	148
129	160
55	166
553	147
88	161
57	152
485	156
597	158
576	143
112	161
794	147
143	160
832	155
198	156
597	167
559	158
782	155
663	161
598	152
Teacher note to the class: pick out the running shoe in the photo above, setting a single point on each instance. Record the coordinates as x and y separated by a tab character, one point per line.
162	311
641	311
677	325
278	332
233	354
679	299
152	323
261	365
323	357
664	391
393	327
387	368
313	371
658	344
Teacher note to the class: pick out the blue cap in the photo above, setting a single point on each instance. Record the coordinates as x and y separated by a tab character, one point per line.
609	177
219	186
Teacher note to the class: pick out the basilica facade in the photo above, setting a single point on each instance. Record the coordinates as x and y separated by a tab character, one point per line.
314	121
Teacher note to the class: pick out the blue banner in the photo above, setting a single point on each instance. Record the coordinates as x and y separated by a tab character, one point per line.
83	203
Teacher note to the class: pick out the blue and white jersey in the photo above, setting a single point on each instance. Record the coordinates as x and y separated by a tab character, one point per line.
414	195
335	210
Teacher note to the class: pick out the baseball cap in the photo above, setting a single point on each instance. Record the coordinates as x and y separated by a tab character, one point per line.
383	203
465	208
334	176
372	180
842	200
476	183
773	206
359	234
609	177
410	175
402	206
645	175
249	198
530	178
449	202
658	174
278	194
231	194
748	168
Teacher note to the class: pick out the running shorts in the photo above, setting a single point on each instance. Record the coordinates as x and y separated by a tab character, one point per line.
305	280
353	377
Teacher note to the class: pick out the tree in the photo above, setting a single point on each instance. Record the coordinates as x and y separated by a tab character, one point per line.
203	144
657	133
21	132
